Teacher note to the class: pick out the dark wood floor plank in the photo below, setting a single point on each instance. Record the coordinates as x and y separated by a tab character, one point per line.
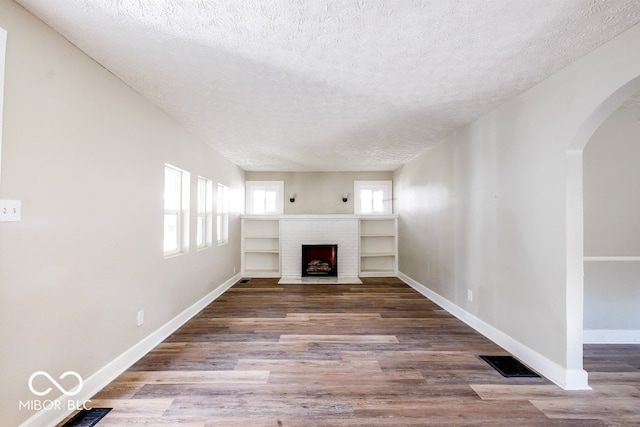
376	354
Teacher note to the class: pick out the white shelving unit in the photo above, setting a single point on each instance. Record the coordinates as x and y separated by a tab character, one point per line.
378	246
261	247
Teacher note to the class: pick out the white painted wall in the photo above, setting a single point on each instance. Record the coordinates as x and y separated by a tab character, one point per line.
495	209
318	192
85	154
447	225
611	178
612	225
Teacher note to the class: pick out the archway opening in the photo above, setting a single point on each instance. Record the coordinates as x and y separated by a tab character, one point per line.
575	221
611	229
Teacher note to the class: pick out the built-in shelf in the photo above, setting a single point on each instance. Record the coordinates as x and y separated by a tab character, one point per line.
261	247
377	247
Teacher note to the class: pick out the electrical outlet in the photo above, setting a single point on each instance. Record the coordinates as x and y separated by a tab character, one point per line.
140	317
470	295
10	210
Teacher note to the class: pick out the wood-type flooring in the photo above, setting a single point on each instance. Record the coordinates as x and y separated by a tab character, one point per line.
375	354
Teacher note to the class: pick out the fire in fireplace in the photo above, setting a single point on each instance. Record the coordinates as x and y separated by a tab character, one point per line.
320	260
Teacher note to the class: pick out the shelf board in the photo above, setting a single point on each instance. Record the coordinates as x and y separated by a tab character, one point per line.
378	235
262	237
261	251
378	273
261	273
377	254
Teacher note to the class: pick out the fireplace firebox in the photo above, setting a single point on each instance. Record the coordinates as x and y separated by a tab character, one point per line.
320	260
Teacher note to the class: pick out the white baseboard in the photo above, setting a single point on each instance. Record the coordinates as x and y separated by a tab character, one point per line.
568	379
611	336
101	378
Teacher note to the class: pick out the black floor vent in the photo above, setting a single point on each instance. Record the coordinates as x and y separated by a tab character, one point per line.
508	366
245	281
87	417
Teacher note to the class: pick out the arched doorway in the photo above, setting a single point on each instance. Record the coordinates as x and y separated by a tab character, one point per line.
575	221
611	229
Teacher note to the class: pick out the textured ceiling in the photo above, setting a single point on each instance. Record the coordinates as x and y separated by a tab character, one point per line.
325	85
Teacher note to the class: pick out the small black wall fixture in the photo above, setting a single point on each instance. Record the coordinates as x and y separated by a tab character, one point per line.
292	197
345	197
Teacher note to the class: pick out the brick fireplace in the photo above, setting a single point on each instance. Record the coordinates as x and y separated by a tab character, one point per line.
341	231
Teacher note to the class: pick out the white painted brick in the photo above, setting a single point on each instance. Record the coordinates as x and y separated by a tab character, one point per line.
296	232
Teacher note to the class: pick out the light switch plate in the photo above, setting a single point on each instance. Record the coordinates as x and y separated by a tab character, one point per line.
10	210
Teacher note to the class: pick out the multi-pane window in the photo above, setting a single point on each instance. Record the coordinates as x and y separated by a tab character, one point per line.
371	201
176	206
373	197
264	197
222	214
204	214
264	201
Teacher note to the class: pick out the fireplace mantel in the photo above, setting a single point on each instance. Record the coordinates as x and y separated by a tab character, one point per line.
272	245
